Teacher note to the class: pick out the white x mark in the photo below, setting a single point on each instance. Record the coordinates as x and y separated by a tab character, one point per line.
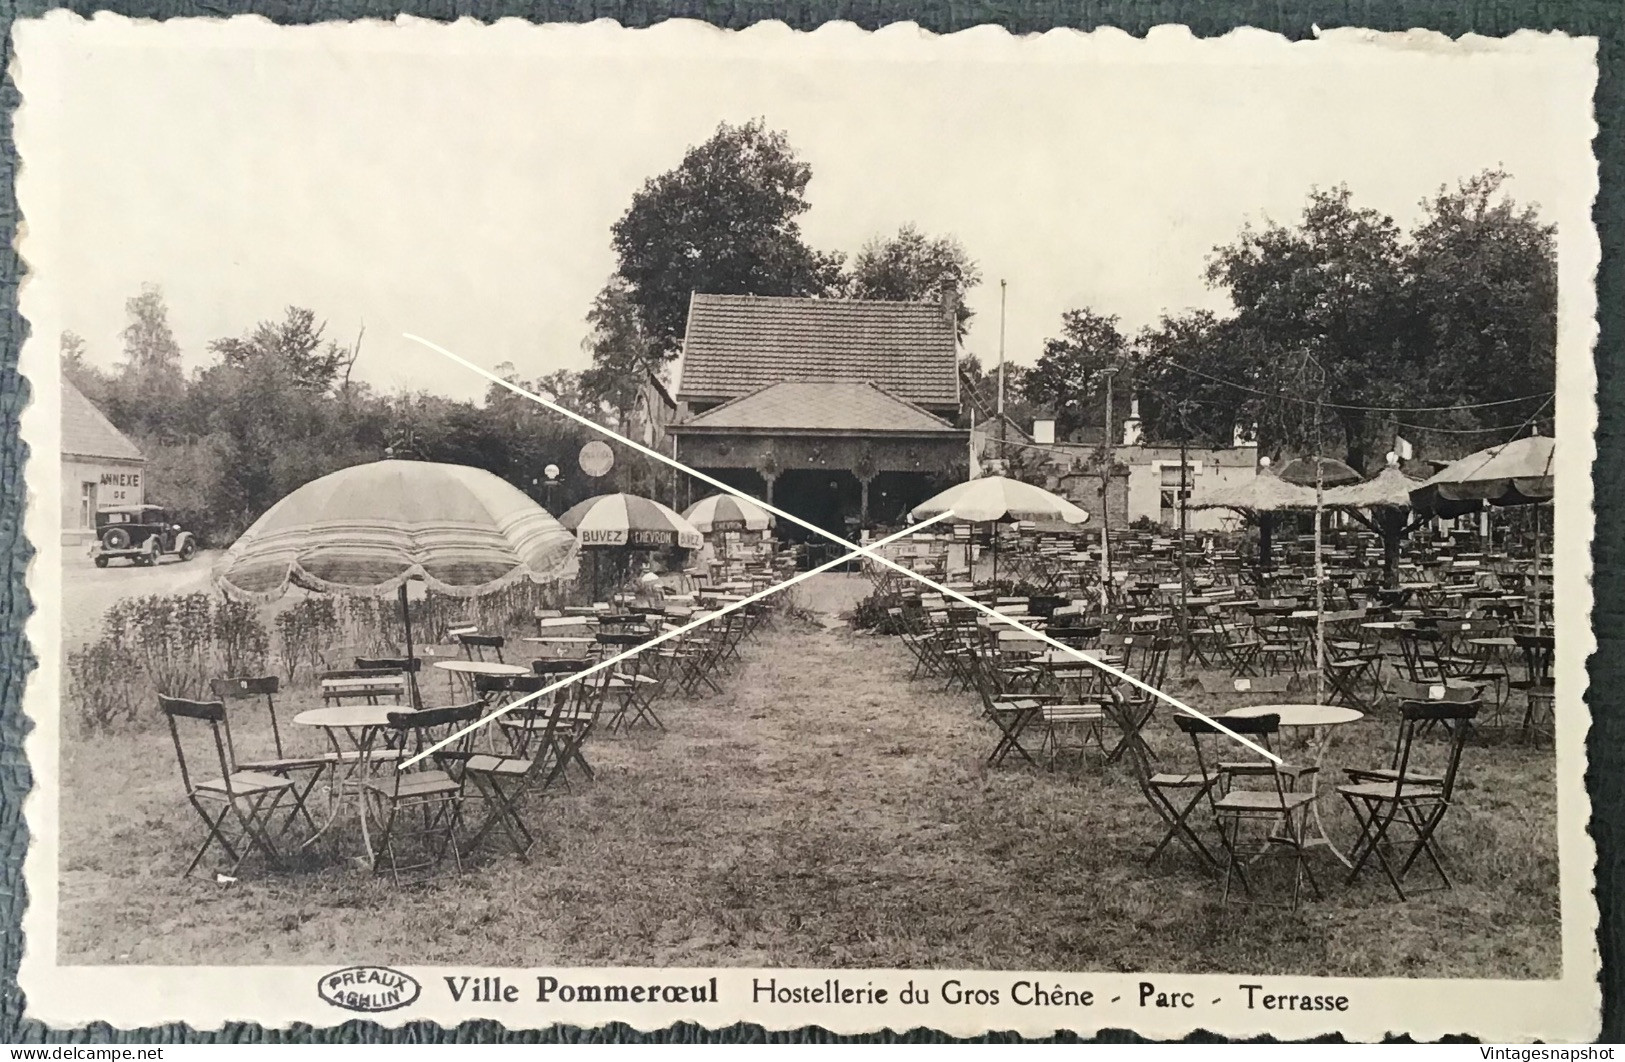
853	547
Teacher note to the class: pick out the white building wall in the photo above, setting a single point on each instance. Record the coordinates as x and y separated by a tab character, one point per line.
113	482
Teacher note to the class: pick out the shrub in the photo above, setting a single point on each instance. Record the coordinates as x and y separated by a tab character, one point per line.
873	614
104	686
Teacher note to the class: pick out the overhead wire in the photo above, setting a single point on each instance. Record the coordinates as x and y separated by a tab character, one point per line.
1362	409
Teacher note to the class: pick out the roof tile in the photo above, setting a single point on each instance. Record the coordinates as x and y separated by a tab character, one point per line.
810	406
737	344
86	432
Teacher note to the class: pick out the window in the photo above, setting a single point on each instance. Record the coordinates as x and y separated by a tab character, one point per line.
87	504
1170	490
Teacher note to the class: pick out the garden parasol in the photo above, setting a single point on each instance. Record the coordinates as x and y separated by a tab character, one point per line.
1519	472
371	528
724	512
1387	496
627	521
993	499
1258	497
1333	473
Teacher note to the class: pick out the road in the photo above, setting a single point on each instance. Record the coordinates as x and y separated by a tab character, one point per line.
87	590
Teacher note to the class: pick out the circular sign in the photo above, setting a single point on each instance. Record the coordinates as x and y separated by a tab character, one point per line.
551	471
597	458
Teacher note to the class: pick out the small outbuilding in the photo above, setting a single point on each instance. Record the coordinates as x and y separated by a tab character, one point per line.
100	467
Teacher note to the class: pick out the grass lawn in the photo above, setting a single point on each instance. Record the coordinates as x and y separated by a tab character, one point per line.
822	812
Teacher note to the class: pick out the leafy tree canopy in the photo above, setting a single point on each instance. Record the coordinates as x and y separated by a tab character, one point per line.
296	342
1345	306
912	267
1069	378
724	221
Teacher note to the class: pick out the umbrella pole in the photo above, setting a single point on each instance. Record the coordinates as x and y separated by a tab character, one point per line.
411	672
993	529
1538	611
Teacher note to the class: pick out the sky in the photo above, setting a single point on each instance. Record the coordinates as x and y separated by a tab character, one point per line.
461	184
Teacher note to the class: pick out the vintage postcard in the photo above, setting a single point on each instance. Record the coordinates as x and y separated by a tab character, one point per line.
569	524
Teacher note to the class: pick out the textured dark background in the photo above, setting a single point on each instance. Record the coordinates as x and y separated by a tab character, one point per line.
1604	19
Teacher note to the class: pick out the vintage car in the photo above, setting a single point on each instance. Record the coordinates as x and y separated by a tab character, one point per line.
141	533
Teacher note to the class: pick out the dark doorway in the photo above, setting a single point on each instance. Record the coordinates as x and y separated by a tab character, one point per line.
893	494
828	498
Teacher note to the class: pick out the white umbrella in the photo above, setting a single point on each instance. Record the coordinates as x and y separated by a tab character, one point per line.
993	499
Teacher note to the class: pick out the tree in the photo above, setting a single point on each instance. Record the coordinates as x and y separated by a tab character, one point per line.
1069	378
910	267
1484	288
152	386
979	388
1374	322
295	341
1322	307
1178	366
722	222
91	381
623	354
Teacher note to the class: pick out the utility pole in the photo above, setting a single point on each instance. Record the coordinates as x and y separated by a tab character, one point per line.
1002	436
1107	449
1184	563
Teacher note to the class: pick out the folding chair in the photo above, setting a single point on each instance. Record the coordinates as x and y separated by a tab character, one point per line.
250	689
248	798
1537	685
475	645
430	791
1282	810
406	667
631	680
505	781
1153	671
1160	787
1351	661
1011	716
368	685
1400	795
525	725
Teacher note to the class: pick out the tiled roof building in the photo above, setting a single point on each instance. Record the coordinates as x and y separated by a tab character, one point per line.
100	466
737	344
834	410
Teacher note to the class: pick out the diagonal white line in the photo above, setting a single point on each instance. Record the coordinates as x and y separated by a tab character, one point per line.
665	636
838	540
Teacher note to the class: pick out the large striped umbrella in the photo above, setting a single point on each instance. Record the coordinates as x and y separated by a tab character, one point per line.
724	512
368	529
371	528
626	520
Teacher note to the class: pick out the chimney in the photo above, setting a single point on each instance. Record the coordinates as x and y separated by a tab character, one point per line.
950	305
1131	426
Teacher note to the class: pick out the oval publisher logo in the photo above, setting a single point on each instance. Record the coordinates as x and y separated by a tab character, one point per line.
368	989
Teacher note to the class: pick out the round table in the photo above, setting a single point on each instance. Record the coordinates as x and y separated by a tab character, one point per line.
562	641
1321	718
361	724
469	668
482	667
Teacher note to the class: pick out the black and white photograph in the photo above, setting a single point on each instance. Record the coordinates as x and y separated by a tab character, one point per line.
580	524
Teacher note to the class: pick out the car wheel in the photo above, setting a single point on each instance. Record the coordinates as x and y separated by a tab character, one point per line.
101	562
116	538
188	550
